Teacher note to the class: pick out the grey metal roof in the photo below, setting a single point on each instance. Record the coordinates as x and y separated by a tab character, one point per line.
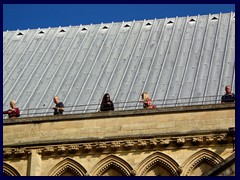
176	60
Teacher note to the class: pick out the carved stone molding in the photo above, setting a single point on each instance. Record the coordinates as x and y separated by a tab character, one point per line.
180	141
153	142
209	139
73	148
101	146
7	151
61	149
197	140
222	138
165	142
48	149
128	144
15	152
115	144
142	143
133	145
87	147
201	156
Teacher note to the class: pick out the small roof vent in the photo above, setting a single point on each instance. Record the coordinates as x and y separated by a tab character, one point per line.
214	18
192	20
170	22
41	32
127	25
84	29
148	24
105	27
20	34
62	30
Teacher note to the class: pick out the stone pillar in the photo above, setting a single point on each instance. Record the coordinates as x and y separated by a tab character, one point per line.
34	165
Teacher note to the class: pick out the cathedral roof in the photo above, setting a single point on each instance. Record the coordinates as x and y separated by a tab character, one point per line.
178	61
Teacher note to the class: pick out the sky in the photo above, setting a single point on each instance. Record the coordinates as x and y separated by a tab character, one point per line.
33	16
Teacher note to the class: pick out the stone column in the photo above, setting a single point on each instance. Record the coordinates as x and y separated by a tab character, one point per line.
34	165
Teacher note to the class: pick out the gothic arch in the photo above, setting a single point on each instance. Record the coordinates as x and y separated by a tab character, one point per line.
8	170
204	159
112	162
68	165
164	163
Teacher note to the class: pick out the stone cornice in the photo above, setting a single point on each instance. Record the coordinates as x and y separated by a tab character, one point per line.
112	114
115	140
123	145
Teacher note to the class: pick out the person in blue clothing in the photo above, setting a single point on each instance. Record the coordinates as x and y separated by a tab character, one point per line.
229	96
59	108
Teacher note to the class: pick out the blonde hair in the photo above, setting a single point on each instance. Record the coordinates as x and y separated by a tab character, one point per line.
12	101
145	95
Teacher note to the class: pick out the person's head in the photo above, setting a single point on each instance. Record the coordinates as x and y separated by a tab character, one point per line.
56	99
144	95
13	104
106	97
228	89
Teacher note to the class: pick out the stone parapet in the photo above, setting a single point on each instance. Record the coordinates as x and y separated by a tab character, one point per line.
117	125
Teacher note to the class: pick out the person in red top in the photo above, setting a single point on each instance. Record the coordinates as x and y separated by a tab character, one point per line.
14	112
147	102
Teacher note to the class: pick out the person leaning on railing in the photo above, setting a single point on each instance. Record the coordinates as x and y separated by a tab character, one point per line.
147	102
228	96
106	104
14	112
59	108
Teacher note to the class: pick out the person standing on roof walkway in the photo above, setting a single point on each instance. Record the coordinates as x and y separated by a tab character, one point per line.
59	108
106	104
228	96
14	112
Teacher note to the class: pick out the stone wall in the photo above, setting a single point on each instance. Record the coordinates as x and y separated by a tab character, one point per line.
181	141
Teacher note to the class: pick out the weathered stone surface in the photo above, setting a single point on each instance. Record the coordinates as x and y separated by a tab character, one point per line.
180	139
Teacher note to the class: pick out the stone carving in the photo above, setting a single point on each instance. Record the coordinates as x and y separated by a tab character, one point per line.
73	147
142	143
7	151
48	149
129	144
222	138
153	142
19	151
197	140
209	139
101	145
61	149
165	142
87	146
180	141
115	144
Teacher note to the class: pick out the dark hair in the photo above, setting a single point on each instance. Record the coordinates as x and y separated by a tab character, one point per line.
105	96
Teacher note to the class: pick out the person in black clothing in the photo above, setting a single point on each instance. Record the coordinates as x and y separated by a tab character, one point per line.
59	108
106	104
229	96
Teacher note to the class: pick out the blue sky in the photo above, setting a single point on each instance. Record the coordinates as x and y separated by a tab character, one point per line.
32	16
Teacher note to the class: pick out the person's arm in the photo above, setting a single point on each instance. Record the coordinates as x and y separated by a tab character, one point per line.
112	106
101	107
149	102
17	111
6	112
223	99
